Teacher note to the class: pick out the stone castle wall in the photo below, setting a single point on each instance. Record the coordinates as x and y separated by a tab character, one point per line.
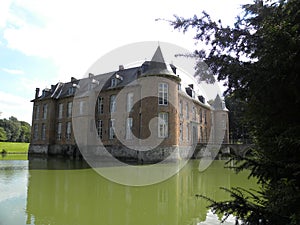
120	152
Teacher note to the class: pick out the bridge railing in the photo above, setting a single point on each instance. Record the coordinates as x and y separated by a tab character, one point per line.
240	141
231	141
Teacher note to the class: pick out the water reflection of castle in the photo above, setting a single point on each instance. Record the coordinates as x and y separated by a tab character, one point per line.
81	196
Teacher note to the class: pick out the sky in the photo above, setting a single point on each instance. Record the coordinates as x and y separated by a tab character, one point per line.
46	41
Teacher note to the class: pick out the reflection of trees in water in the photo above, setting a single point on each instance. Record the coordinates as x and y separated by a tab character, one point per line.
81	196
11	169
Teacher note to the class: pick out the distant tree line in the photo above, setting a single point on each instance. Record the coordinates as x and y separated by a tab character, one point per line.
13	130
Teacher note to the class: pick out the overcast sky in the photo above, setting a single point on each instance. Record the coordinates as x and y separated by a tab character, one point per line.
46	41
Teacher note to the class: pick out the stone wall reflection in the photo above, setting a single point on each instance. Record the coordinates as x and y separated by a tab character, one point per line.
81	196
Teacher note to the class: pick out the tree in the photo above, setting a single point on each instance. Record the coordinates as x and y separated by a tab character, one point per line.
3	136
25	132
238	127
259	59
15	130
14	127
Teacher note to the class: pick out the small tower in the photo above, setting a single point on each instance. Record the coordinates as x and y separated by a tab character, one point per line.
220	120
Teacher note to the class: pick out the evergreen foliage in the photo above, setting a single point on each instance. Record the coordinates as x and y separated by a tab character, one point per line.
259	59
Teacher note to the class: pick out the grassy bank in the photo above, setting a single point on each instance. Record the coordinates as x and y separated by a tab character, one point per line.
14	147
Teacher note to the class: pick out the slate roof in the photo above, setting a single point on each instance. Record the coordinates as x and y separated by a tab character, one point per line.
218	104
158	56
63	90
124	77
157	65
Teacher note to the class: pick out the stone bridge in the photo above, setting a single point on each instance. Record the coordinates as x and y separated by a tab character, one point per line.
240	149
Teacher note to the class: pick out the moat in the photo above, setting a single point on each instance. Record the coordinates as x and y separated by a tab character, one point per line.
63	192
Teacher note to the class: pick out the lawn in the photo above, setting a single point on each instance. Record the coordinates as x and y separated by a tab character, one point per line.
14	147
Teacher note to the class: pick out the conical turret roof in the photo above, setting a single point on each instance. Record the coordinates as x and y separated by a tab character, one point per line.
158	56
218	104
157	65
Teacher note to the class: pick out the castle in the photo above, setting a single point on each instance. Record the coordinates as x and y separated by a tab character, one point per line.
132	108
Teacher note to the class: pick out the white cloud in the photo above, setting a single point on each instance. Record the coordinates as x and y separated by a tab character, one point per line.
4	11
13	105
28	86
76	33
13	71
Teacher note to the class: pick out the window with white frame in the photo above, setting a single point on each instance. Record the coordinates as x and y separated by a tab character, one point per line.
128	128
81	107
43	131
129	101
68	130
223	122
69	109
187	132
59	131
194	113
45	111
163	94
100	128
37	112
187	110
163	125
60	110
111	129
100	105
180	109
112	103
36	132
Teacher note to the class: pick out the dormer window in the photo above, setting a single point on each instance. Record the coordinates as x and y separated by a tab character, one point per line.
113	82
116	80
71	90
190	90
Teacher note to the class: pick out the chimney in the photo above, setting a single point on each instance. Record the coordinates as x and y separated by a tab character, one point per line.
121	67
91	75
37	92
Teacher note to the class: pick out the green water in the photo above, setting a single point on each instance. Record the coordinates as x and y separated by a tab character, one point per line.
64	192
